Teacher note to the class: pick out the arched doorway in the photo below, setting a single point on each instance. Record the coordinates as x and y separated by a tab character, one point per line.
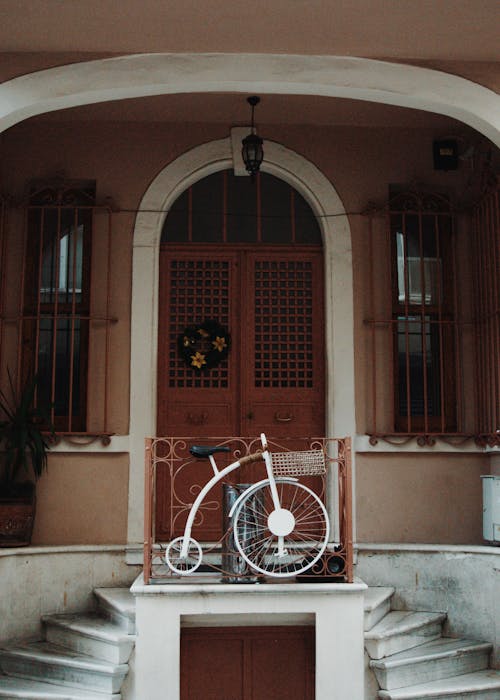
241	316
338	331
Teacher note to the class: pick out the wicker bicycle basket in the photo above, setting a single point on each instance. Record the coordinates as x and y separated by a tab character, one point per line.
304	463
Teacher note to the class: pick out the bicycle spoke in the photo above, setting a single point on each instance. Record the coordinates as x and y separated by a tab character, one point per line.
263	551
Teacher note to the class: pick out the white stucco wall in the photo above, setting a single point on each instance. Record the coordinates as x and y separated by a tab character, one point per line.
43	580
163	610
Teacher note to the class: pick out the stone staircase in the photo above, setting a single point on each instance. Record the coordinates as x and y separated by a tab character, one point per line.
84	656
407	657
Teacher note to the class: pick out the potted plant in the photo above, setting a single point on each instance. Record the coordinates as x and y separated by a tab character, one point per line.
25	432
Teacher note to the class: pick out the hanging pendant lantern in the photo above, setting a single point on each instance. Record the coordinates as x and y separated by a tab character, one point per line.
252	151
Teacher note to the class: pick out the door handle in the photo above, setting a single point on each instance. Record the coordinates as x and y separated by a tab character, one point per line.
285	418
250	415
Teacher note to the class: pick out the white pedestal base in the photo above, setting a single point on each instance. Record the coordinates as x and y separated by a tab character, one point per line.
336	610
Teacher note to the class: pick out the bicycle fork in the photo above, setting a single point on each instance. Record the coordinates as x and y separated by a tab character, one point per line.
281	522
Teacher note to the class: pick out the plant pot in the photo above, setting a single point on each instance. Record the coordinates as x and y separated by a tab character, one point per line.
17	515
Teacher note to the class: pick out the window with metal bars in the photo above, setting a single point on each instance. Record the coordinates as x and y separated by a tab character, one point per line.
485	262
423	315
55	321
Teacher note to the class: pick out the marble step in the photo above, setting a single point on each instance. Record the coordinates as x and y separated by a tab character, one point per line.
23	689
119	605
482	685
441	658
90	634
48	662
400	630
377	604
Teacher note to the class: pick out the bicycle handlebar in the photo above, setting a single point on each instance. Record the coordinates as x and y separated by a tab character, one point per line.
249	459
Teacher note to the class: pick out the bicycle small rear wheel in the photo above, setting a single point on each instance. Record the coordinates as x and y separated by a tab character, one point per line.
259	546
183	565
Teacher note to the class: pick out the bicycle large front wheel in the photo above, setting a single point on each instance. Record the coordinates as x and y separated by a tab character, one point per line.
289	553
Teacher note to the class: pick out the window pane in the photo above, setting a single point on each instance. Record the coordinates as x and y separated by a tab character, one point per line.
306	225
62	269
175	228
47	226
276	210
241	209
67	365
208	205
418	267
418	362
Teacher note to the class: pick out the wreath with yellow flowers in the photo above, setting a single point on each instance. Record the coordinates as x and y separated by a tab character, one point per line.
204	346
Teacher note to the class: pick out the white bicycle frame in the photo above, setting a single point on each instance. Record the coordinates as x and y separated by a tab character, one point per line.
280	523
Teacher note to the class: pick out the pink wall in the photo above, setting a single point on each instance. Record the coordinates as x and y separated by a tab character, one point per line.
433	498
399	498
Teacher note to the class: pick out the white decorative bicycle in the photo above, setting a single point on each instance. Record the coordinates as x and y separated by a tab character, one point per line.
281	527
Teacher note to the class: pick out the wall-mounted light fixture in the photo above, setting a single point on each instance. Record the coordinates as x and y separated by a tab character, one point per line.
252	151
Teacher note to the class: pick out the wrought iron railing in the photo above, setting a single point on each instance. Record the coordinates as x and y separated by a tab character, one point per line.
171	486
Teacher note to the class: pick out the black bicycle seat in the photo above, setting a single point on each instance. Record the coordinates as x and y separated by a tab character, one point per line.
205	451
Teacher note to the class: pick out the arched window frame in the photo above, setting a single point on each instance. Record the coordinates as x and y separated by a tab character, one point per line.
225	208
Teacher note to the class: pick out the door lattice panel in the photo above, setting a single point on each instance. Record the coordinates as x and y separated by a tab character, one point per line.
199	291
283	324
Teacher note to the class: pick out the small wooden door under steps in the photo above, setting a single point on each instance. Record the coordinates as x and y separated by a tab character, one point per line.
247	663
270	300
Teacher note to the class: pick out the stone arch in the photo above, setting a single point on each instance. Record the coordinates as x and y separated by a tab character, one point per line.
155	74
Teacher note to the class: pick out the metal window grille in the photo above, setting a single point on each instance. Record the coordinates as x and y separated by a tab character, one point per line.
419	330
3	277
284	311
485	256
413	331
57	326
198	289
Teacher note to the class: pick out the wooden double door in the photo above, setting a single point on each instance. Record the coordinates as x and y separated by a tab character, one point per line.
269	299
